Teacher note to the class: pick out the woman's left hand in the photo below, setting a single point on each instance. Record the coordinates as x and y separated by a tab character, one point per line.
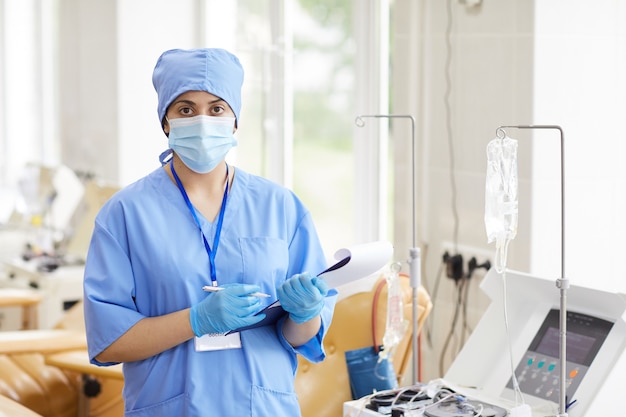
302	296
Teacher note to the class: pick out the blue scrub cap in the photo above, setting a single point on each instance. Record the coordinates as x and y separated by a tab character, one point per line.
213	70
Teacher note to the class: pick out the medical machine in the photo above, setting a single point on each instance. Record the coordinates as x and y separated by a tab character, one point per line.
56	271
596	340
61	289
481	374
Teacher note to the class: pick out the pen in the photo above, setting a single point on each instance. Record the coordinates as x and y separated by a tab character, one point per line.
209	288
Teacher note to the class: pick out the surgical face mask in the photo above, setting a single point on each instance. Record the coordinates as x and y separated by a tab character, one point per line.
202	142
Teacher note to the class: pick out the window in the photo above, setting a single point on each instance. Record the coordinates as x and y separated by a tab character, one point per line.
324	81
299	98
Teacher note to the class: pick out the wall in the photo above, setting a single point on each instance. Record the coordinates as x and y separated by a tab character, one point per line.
580	62
87	62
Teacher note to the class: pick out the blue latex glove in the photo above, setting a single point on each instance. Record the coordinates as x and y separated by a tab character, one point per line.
302	296
226	310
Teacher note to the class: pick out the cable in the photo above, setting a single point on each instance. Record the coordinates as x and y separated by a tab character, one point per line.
431	317
466	327
461	306
464	284
448	111
455	318
455	214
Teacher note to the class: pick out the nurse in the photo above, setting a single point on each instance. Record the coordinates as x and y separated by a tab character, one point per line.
195	222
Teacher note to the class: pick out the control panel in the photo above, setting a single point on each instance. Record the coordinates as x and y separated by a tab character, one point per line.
538	371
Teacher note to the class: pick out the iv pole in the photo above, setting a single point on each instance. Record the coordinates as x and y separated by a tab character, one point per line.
414	252
561	283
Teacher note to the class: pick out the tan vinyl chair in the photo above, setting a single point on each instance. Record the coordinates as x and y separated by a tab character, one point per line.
9	408
27	379
323	387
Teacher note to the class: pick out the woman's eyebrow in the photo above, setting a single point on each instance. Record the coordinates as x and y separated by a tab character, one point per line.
185	102
193	103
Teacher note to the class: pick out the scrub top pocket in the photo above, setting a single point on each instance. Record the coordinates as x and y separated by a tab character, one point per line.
270	403
177	406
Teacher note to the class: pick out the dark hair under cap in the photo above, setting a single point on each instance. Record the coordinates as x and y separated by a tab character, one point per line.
213	70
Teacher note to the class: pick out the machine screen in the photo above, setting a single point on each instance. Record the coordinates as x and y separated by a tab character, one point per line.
578	345
538	371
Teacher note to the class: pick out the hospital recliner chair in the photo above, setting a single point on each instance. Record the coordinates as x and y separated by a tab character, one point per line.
9	408
323	387
26	379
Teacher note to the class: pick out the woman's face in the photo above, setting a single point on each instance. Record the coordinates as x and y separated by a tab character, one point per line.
196	103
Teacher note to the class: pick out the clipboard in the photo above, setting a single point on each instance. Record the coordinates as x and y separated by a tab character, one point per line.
355	262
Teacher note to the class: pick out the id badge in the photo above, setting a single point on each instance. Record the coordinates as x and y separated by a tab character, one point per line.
217	342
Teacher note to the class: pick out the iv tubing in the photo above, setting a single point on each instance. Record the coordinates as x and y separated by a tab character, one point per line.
561	283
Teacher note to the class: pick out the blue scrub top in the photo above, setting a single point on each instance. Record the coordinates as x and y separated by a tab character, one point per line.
147	258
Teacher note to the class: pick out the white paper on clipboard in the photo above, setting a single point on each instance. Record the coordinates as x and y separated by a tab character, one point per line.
356	262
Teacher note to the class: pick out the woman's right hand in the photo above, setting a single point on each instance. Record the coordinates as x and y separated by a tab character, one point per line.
225	310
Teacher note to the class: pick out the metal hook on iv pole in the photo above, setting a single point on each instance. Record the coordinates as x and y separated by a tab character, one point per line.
500	132
561	283
414	252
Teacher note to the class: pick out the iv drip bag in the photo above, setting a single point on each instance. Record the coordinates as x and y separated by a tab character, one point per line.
501	210
396	326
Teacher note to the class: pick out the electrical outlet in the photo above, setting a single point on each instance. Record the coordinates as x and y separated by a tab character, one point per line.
472	257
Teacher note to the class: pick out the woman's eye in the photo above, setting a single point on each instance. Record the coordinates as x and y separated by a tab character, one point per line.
186	111
218	110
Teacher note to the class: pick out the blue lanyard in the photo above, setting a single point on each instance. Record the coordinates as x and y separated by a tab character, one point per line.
220	219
